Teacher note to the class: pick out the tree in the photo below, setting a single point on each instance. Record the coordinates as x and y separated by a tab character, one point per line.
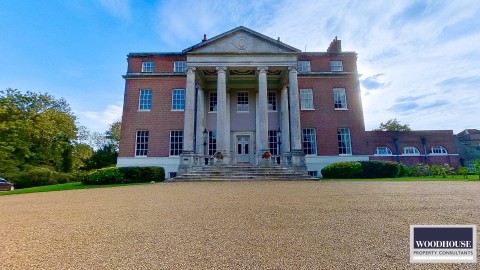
35	130
103	157
393	125
476	166
113	133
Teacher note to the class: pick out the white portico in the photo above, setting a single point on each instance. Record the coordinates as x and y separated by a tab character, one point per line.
240	87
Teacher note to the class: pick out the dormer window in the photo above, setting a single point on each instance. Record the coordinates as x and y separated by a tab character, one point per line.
148	66
303	66
336	66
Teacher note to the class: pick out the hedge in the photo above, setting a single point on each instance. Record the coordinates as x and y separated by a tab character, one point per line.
364	169
38	176
344	169
114	175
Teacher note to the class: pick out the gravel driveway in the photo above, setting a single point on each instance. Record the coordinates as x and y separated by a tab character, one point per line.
230	225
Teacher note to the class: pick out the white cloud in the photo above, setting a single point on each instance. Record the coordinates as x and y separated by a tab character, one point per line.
98	121
117	8
415	45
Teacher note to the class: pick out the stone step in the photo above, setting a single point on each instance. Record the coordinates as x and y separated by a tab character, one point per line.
241	173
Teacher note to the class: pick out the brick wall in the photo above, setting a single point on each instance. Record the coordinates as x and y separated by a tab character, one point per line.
159	121
163	63
432	138
325	119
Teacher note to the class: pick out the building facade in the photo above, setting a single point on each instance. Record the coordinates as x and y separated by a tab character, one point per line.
242	94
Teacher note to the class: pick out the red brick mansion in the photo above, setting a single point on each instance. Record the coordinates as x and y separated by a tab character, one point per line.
243	94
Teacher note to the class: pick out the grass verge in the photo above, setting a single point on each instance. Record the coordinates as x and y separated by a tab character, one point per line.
66	186
412	178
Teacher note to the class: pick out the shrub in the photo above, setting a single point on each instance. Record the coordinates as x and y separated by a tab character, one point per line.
142	174
104	176
378	169
156	174
365	169
403	170
38	176
463	171
114	175
347	169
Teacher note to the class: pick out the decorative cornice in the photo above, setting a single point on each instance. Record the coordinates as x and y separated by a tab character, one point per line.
221	69
262	69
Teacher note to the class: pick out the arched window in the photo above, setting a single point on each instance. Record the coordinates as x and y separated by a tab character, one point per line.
411	150
438	150
383	151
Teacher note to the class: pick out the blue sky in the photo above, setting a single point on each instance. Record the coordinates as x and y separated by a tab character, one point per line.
419	61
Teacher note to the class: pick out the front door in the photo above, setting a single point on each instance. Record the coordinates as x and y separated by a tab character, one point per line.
243	149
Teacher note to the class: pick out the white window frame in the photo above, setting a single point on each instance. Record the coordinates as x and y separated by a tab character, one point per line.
180	66
272	101
145	100
273	142
175	143
178	99
306	99
148	66
242	102
340	99
438	150
410	151
344	142
304	66
141	143
336	65
212	142
212	102
309	141
383	151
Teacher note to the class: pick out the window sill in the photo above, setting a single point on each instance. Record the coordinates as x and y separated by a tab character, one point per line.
212	112
242	111
410	155
141	156
344	155
307	109
177	110
378	155
144	110
341	109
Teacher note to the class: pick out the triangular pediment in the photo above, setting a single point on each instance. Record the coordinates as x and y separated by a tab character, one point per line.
241	40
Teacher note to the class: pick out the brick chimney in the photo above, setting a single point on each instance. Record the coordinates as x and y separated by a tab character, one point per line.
335	46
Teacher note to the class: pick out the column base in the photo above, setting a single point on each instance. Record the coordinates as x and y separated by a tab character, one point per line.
186	162
298	161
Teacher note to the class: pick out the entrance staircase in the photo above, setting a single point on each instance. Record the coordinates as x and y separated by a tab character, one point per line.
241	173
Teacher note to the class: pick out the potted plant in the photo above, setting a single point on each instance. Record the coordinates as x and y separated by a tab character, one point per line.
218	155
266	155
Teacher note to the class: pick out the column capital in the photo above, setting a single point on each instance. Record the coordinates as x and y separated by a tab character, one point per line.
292	69
262	69
191	70
221	69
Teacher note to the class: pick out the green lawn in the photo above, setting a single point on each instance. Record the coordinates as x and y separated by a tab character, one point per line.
78	185
417	178
67	186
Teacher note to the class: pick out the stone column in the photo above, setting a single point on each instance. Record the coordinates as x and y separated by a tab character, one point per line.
200	120
284	121
186	158
222	112
262	111
227	127
298	157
